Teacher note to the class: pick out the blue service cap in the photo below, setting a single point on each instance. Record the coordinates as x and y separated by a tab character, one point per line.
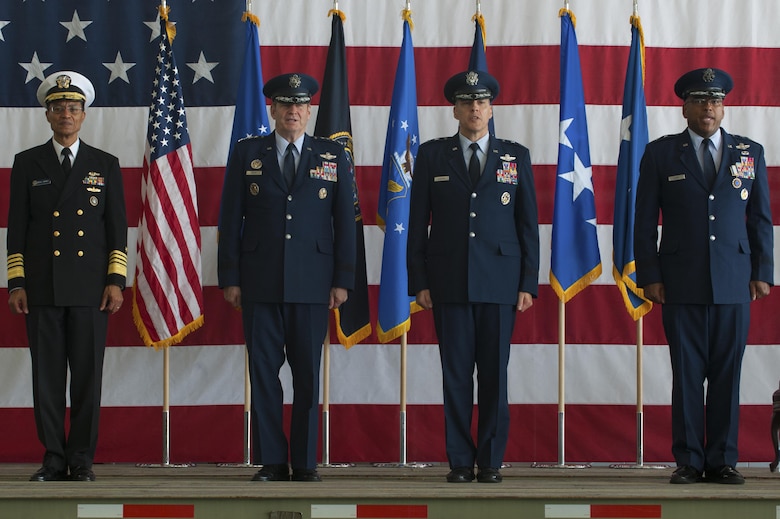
295	88
708	82
470	85
67	85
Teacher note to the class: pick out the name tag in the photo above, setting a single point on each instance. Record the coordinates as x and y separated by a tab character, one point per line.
444	178
42	182
253	173
675	178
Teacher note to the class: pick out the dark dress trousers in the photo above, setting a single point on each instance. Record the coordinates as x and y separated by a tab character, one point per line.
286	248
482	249
67	240
715	241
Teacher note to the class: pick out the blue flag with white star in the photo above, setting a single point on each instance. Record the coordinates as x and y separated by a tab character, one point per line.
251	116
576	260
394	195
633	139
113	44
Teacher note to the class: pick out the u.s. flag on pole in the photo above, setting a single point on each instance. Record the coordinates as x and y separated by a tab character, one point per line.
575	261
633	139
168	290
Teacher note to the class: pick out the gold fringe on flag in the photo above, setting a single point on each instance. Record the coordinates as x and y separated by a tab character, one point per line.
571	15
170	28
251	17
406	14
636	22
481	21
338	12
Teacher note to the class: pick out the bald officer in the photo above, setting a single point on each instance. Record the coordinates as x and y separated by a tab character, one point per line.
714	258
286	255
476	268
67	266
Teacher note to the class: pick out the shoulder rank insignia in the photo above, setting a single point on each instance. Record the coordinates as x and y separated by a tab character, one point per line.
327	156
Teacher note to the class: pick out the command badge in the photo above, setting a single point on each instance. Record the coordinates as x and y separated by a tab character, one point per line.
323	194
93	200
257	164
744	194
505	198
254	189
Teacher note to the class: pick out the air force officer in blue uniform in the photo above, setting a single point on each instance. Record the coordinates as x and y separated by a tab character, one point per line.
286	255
476	267
714	258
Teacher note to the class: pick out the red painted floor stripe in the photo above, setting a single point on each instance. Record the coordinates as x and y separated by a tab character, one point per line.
392	511
159	511
625	511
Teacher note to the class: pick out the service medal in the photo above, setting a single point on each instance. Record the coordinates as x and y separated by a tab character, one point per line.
736	182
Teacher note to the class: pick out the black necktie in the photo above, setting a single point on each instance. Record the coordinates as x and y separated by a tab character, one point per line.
708	163
289	166
66	165
474	167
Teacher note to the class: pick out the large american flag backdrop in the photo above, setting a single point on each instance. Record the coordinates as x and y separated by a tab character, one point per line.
111	41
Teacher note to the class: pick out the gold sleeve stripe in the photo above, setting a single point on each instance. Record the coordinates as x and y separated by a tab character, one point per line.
16	266
117	263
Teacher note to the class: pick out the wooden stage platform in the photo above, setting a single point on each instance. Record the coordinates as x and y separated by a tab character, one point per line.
388	492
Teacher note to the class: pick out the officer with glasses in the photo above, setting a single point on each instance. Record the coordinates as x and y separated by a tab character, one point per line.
715	257
67	267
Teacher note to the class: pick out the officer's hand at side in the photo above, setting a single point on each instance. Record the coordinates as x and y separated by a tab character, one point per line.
524	301
233	296
17	301
758	289
423	298
338	296
112	299
656	293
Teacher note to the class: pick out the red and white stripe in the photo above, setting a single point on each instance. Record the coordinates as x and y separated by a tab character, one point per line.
522	52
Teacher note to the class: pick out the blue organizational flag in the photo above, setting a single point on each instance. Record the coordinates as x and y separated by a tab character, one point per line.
633	139
576	261
401	145
478	59
251	116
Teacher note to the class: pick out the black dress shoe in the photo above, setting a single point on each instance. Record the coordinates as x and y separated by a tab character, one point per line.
685	475
461	475
725	474
81	474
272	473
489	475
49	474
306	475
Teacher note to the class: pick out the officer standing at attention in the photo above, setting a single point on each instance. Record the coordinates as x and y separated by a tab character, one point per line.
286	255
714	258
67	266
478	265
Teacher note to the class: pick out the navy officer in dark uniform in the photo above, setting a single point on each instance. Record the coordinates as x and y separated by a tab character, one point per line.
476	267
67	266
715	257
286	255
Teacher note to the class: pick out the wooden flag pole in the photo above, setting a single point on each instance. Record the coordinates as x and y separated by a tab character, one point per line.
247	411
326	400
403	399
